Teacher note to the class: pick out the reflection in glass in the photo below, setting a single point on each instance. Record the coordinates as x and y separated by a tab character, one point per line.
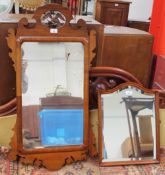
5	6
128	125
52	94
88	7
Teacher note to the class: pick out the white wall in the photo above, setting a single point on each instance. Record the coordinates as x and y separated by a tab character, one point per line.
115	127
140	10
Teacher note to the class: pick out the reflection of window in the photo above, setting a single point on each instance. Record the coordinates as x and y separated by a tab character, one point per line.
30	4
24	76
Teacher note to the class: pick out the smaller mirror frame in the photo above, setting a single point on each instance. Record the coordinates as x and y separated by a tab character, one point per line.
52	158
134	160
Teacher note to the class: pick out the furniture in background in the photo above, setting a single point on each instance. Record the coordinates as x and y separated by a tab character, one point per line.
8	81
6	6
137	24
112	12
128	49
103	78
113	111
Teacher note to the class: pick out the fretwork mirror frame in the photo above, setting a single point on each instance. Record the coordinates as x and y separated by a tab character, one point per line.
52	157
122	155
8	8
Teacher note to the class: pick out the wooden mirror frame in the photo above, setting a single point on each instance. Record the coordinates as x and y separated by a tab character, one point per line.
9	8
56	157
157	127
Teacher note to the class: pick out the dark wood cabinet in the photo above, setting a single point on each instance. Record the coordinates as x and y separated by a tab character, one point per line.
128	49
112	12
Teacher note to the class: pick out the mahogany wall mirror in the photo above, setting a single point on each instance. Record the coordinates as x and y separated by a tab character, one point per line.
129	125
52	94
51	62
6	6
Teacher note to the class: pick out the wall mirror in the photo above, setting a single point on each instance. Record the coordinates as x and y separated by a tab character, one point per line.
129	125
52	73
51	61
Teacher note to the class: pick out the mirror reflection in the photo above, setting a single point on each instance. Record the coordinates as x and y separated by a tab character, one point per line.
5	6
52	94
88	7
128	125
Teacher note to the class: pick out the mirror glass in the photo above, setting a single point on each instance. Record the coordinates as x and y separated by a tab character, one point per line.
5	6
88	7
52	94
128	125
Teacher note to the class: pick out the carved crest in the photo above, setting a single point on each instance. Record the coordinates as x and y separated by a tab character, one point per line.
11	41
49	17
